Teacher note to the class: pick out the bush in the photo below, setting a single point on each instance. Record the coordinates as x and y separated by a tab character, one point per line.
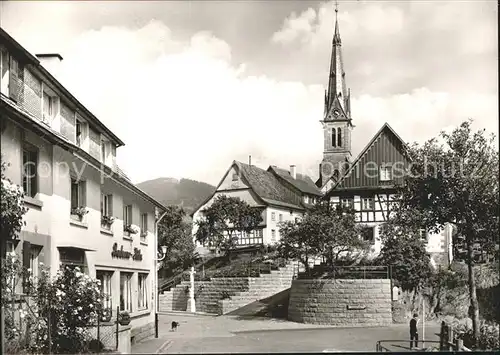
488	335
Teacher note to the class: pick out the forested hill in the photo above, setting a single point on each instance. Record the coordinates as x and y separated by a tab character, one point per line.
184	192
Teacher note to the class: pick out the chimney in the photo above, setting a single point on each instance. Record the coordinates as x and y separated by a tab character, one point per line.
50	61
249	160
293	171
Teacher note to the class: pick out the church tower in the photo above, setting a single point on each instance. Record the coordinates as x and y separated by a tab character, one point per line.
337	125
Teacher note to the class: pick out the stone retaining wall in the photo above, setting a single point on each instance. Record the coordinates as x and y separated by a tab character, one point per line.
341	302
212	296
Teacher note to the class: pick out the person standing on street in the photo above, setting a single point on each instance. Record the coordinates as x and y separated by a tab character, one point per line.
414	331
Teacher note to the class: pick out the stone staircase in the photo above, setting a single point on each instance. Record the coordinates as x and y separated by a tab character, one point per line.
224	295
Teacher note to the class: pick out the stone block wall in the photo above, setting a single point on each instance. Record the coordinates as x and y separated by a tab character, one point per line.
341	302
166	301
240	290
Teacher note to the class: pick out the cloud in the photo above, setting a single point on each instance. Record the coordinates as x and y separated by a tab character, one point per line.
185	107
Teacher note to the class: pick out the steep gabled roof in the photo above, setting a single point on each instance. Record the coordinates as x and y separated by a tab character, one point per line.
385	128
268	187
302	182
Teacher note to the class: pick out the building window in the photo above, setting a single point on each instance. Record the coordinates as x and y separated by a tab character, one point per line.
105	278
127	215
143	291
126	291
339	137
273	216
273	235
424	235
144	226
48	106
306	199
252	238
77	194
385	173
72	257
30	261
334	137
30	167
235	177
14	66
347	203
34	262
281	217
106	205
367	234
367	204
79	135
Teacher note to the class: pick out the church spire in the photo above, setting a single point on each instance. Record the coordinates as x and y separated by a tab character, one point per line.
337	95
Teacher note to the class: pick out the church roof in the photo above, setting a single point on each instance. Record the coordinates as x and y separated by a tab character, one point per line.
302	182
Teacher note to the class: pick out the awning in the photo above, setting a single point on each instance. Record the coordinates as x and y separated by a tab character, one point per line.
73	246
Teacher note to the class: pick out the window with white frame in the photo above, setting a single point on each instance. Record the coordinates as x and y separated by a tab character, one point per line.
424	235
347	203
273	216
143	291
105	277
235	177
367	204
144	225
385	172
273	235
126	291
77	195
30	168
106	204
127	215
280	217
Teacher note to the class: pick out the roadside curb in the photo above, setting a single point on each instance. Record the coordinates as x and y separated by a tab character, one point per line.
188	314
164	347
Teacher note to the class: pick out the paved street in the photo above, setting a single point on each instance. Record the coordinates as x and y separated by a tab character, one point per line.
206	334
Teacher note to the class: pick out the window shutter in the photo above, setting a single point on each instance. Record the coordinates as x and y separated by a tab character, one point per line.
26	260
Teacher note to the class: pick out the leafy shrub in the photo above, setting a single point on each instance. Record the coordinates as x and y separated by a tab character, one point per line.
488	335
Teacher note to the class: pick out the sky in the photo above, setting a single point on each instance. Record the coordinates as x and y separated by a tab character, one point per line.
191	86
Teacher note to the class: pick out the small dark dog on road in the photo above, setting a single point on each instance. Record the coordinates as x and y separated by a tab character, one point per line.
175	325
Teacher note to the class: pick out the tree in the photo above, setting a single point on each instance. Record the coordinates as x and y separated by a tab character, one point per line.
225	217
174	232
12	211
406	253
323	231
456	182
12	208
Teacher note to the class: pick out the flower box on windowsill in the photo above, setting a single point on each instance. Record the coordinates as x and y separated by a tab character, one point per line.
130	229
106	222
78	213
